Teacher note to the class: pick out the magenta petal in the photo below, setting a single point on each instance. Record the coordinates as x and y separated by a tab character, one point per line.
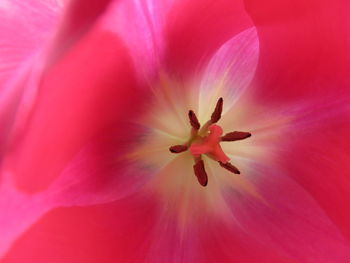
304	48
221	242
98	173
17	45
305	59
195	29
136	229
78	18
229	72
117	232
290	221
26	53
24	29
319	157
18	212
144	36
85	94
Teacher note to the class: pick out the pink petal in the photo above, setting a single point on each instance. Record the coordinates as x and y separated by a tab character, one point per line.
96	175
104	232
195	29
136	229
304	48
101	233
319	156
85	94
99	173
144	36
18	212
25	25
28	53
301	177
305	58
229	72
220	242
164	35
79	17
305	170
289	220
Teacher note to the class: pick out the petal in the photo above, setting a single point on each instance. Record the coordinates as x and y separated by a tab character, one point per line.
303	149
99	173
196	29
292	161
28	61
164	35
305	59
18	212
96	175
304	48
136	229
78	18
78	100
24	27
117	231
319	158
228	73
103	232
144	37
289	220
220	242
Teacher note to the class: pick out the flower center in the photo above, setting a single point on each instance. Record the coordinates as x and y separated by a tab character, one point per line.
206	140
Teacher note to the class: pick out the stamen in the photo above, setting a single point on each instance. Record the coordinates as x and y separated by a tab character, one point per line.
207	141
228	166
215	117
178	148
235	136
199	171
193	120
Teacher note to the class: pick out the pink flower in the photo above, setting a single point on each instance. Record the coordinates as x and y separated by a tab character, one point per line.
93	94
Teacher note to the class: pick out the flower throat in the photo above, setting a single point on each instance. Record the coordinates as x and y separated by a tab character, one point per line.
206	140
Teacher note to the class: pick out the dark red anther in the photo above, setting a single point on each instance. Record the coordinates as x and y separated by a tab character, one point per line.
193	120
200	172
235	136
178	148
215	117
230	167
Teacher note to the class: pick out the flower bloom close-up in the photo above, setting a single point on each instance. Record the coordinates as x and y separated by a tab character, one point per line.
175	131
